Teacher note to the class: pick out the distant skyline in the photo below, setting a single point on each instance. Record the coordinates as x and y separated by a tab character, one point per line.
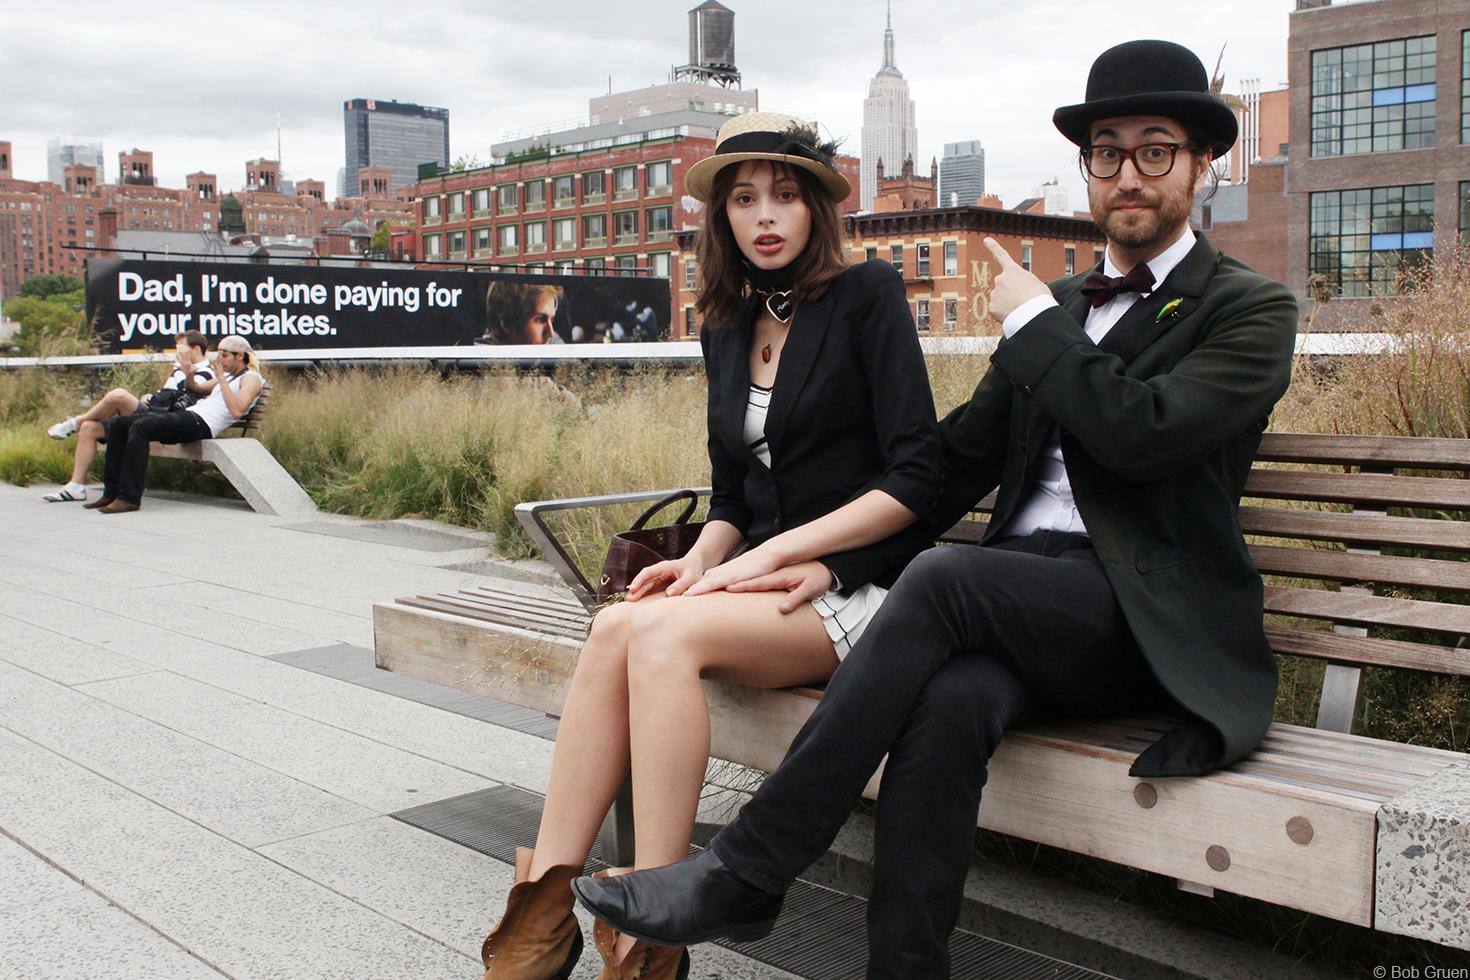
202	89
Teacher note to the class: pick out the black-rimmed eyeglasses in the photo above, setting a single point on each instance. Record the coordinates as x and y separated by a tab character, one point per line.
1149	159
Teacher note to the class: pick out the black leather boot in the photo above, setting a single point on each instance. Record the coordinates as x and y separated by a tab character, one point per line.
691	901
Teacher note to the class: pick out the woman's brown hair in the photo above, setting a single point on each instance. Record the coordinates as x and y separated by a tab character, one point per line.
722	288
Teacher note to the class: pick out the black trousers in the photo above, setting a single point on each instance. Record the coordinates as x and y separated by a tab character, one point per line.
970	641
125	467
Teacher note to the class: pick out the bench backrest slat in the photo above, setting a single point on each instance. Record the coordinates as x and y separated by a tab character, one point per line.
1389	452
1361	489
1363	609
1348	568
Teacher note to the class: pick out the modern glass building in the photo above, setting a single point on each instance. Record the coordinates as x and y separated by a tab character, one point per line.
396	135
961	174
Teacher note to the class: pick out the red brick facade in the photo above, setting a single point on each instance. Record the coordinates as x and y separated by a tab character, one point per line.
947	271
550	215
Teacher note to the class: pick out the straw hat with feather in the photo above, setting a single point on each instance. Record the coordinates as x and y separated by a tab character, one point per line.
768	136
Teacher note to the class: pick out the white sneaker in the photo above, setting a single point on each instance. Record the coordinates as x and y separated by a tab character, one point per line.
63	429
71	491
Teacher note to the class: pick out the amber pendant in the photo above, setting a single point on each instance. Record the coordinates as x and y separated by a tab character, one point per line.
766	354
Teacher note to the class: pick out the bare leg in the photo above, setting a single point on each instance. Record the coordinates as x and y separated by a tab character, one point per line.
743	638
87	437
118	401
591	756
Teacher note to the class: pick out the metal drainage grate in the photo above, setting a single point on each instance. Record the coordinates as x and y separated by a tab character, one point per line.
821	934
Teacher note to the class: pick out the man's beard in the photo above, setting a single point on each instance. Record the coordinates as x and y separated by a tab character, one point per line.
1169	212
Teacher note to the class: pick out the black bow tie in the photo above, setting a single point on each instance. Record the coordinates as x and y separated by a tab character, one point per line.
1100	288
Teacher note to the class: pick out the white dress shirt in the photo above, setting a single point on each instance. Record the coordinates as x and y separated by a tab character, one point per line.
1050	505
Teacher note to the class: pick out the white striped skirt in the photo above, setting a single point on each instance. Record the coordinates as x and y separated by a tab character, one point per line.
846	616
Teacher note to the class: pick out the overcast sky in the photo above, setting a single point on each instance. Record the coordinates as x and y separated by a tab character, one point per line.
200	84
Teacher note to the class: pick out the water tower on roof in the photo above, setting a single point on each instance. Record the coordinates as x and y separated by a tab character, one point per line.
711	47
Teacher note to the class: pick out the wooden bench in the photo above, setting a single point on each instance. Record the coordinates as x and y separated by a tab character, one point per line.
1366	831
246	463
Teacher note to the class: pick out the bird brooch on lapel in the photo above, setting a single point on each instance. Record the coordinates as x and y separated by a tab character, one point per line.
1170	310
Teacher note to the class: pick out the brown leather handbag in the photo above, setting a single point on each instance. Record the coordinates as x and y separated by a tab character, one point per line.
638	547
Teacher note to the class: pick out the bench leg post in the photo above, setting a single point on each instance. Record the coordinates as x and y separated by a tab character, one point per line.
617	830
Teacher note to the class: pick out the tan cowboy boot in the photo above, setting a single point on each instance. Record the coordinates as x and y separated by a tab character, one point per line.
538	937
643	961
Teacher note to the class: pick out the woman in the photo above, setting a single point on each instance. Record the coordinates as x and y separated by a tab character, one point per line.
128	437
822	437
191	373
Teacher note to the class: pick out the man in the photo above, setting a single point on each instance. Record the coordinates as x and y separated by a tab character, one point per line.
129	437
1118	421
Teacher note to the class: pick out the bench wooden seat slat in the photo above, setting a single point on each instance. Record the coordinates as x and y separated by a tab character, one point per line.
561	607
1368	651
1341	566
492	605
447	605
1380	451
1367	489
1368	610
1356	529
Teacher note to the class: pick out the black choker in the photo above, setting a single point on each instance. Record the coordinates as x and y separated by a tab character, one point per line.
774	287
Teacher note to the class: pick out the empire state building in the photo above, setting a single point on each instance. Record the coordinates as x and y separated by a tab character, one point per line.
889	131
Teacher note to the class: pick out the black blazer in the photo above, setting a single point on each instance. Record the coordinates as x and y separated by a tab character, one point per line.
851	410
1159	426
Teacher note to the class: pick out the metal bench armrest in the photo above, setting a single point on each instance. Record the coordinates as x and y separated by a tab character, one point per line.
530	515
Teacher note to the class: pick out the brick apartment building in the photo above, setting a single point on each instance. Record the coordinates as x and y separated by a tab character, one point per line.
1379	166
582	201
946	268
42	218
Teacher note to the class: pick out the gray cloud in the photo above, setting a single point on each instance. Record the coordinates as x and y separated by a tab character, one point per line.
201	84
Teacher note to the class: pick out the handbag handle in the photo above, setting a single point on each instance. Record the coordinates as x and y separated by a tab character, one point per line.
690	498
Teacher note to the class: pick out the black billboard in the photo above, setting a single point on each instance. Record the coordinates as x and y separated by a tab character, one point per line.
143	305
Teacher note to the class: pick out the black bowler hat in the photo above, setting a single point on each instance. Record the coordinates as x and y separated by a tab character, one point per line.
1150	78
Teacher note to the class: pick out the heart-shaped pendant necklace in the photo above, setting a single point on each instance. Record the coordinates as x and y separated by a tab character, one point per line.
778	304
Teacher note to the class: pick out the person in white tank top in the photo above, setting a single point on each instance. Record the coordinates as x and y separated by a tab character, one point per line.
128	437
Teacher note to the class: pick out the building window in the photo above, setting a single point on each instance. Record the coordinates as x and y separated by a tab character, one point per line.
923	260
1372	98
594	187
564	267
597	265
482	202
509	240
482	242
691	328
535	237
625	227
627	265
594	230
921	314
895	257
508	198
1026	257
1360	240
563	191
691	276
535	195
456	205
1069	260
1097	254
660	224
870	253
951	314
456	244
657	178
658	265
1465	86
625	183
951	258
433	246
431	210
1465	210
564	233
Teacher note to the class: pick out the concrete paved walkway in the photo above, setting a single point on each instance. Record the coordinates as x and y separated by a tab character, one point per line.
173	803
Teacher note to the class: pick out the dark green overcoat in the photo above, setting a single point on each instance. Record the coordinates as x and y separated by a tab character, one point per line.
1159	425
